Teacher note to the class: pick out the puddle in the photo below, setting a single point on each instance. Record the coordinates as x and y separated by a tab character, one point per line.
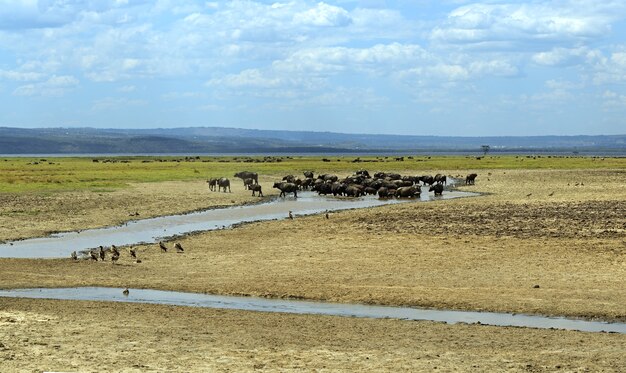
315	308
152	230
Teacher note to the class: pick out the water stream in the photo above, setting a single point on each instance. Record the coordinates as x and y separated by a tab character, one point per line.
311	307
152	230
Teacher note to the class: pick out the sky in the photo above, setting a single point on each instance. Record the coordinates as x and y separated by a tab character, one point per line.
421	67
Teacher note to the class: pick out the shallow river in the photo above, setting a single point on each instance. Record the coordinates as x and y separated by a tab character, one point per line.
152	230
316	308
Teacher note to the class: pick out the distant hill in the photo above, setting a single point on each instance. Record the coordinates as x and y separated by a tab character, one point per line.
198	140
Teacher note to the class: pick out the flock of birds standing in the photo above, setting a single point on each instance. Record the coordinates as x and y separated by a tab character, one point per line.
101	253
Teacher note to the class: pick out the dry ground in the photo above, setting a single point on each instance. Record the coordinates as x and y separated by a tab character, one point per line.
39	335
532	228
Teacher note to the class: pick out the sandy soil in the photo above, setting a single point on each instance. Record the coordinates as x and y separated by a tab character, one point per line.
89	336
487	253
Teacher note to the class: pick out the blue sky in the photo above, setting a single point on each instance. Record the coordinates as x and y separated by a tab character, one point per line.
372	66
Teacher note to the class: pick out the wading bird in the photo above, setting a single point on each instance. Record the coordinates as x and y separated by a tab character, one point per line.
162	246
101	253
179	248
125	292
93	256
115	250
74	256
115	257
290	215
132	252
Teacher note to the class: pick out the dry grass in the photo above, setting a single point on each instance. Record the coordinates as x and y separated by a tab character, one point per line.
486	253
44	335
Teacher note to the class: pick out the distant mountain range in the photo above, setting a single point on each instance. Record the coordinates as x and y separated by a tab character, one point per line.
201	140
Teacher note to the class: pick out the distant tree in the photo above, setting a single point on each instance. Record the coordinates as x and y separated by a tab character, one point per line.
485	149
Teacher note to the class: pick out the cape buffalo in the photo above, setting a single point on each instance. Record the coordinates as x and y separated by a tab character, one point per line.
286	188
469	179
223	183
353	191
383	192
437	188
256	188
308	174
247	183
408	192
427	179
441	179
243	175
322	188
212	184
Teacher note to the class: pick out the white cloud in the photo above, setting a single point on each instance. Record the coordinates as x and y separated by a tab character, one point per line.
53	87
565	56
515	23
323	15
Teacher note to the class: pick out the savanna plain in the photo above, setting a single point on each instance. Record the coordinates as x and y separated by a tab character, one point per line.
546	236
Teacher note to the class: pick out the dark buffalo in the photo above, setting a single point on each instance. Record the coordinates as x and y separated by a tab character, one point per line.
307	183
212	184
328	177
308	174
370	191
323	188
437	188
338	188
427	179
379	175
412	179
248	182
353	191
285	188
441	179
289	178
383	192
223	183
243	175
408	192
469	179
256	188
363	173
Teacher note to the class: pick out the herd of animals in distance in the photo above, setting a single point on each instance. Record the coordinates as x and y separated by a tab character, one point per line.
361	183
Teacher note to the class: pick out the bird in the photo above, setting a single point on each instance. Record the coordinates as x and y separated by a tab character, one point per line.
114	250
179	248
132	252
290	215
125	292
74	256
529	194
551	194
162	246
327	216
115	257
101	253
93	255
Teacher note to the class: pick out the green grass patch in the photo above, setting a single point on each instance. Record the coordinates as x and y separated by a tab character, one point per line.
111	173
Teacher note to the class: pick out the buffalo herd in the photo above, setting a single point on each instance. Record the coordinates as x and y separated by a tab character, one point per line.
382	184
